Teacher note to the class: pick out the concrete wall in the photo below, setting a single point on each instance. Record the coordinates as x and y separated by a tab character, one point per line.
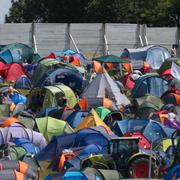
89	38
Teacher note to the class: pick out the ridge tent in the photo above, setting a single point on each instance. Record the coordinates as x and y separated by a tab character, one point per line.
50	96
150	84
23	83
91	120
67	76
102	86
50	127
153	55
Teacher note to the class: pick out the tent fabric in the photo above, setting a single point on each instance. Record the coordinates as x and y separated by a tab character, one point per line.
102	112
150	84
92	120
150	54
15	130
175	71
23	83
81	138
21	52
167	64
76	117
14	72
50	127
50	96
75	175
67	76
111	59
102	86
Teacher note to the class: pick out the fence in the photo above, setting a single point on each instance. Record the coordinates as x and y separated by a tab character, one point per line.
90	39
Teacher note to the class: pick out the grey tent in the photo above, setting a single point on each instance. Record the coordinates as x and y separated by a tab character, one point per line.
15	130
103	86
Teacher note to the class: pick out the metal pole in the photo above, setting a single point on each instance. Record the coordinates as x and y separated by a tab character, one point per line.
74	43
106	45
150	162
35	44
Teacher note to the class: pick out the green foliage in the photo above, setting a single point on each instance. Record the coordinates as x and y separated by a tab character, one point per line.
153	13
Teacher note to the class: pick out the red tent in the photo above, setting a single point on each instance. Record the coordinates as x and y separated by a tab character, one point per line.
14	72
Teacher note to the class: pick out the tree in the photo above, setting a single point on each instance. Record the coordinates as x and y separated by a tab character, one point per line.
152	13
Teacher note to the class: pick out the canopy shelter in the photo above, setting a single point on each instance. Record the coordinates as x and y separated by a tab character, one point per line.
111	59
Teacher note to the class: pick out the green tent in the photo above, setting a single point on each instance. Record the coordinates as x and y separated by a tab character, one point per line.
102	112
111	59
41	98
147	105
105	174
50	127
25	51
50	99
46	65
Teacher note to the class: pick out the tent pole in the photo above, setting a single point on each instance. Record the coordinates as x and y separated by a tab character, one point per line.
74	43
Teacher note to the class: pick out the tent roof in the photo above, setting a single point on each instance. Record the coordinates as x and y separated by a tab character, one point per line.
50	126
111	59
102	86
92	120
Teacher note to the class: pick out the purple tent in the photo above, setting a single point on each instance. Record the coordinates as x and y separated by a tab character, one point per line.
15	130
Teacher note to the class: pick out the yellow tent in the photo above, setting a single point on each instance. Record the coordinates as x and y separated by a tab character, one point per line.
91	120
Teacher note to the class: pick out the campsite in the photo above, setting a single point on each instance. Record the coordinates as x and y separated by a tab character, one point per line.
65	116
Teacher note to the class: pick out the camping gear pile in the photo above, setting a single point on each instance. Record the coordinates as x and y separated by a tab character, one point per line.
63	117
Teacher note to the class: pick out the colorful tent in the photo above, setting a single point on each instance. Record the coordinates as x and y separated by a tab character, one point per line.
102	112
92	120
50	127
102	86
50	96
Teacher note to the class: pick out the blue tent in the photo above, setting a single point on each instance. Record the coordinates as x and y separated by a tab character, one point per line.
154	55
81	138
68	77
150	84
74	175
75	118
8	56
23	83
152	130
